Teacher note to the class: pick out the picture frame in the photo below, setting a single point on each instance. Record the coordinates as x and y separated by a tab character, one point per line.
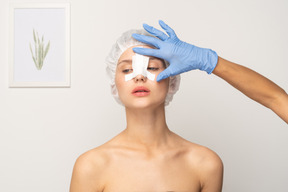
39	45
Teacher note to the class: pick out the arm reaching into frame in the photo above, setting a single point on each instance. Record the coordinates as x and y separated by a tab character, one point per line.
184	57
255	86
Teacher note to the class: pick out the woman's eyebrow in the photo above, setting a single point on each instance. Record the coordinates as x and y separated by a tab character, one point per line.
125	61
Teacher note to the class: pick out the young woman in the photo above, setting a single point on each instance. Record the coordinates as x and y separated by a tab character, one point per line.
146	156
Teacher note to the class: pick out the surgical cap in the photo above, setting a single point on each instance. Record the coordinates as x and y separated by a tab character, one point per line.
124	42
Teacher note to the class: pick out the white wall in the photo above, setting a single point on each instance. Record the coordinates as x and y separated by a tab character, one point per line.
43	130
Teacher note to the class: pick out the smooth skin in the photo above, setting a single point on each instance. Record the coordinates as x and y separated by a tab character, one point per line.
255	86
146	156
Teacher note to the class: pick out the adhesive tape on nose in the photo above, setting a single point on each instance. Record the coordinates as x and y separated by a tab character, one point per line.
139	66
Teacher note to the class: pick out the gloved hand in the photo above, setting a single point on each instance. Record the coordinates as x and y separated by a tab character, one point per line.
182	56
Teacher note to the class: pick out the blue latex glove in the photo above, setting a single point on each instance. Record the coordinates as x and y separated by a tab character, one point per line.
182	56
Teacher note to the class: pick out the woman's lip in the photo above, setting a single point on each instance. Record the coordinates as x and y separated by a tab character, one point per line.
141	94
141	91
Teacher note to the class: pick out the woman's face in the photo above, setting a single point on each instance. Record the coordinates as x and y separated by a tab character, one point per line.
140	92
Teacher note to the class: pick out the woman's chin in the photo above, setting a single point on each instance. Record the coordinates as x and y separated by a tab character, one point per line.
144	105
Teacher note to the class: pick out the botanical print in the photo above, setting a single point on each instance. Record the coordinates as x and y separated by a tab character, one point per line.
40	50
39	45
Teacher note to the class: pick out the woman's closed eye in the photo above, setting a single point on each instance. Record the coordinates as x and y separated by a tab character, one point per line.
153	68
127	70
148	68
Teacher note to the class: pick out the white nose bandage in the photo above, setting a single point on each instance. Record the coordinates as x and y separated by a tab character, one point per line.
139	66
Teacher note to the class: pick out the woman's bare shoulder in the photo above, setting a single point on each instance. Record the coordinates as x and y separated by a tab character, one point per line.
204	155
99	156
88	168
96	157
205	162
198	153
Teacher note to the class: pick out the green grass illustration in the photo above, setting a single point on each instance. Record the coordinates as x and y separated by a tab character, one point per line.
40	50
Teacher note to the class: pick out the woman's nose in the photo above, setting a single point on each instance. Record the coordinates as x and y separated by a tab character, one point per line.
140	78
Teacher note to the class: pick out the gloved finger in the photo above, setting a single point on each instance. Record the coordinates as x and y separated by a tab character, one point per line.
148	40
155	32
163	75
168	29
147	51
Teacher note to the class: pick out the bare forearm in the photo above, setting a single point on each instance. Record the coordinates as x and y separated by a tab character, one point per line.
255	86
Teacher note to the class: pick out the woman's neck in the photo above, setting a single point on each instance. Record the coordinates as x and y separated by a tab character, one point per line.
147	128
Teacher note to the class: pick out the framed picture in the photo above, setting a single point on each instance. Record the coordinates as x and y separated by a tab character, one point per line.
39	52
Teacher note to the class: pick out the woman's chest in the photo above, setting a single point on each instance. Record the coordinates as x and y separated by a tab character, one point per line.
151	176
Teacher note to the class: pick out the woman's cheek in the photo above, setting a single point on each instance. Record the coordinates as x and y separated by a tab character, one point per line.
165	84
121	84
119	77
